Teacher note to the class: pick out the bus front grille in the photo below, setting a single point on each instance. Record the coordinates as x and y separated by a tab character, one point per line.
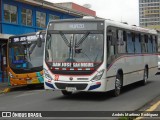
77	86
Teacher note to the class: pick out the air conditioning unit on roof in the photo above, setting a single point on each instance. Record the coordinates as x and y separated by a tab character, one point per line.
88	17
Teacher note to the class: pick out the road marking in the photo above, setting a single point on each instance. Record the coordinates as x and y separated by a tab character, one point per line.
152	108
25	94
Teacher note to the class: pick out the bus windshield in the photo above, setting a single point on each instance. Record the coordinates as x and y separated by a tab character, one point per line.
74	47
25	54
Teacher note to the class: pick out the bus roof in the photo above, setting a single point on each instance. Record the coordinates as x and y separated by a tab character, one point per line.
130	27
28	34
110	23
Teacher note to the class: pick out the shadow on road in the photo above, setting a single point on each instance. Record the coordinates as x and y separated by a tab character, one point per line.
28	87
158	73
100	96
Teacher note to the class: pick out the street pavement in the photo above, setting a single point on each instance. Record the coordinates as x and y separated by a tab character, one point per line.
134	97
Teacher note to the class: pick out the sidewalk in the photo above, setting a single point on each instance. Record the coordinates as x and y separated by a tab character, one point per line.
152	107
4	87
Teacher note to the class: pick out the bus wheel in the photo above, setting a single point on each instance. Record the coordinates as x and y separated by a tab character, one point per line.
145	77
118	85
66	93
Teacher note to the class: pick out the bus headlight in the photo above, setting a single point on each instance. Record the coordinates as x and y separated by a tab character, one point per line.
98	76
46	74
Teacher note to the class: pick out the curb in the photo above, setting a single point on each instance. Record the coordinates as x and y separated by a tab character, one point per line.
6	90
14	88
150	109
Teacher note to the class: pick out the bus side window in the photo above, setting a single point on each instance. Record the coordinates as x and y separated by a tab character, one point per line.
146	43
150	44
130	44
154	44
142	43
111	45
137	44
156	41
121	41
158	44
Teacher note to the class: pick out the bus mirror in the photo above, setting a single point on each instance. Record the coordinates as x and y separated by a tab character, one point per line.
48	36
39	40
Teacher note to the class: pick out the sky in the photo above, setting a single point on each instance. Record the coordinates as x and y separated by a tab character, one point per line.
118	10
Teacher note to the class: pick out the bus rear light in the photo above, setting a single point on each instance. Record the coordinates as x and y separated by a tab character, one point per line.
98	76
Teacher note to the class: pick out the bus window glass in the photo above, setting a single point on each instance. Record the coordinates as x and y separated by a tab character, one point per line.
72	48
154	44
146	44
142	43
130	44
120	42
150	44
25	55
110	50
137	44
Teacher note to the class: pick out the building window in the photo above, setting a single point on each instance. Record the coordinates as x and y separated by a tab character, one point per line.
26	17
41	19
53	17
10	13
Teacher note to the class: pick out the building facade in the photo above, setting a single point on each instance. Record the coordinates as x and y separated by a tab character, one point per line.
76	7
149	14
26	16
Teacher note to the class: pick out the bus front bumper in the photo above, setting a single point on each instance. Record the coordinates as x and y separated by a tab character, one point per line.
74	86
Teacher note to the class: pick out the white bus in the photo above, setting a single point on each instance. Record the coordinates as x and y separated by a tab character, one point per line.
158	50
97	55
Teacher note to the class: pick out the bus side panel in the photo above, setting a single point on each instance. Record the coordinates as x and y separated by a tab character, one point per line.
132	67
110	83
151	61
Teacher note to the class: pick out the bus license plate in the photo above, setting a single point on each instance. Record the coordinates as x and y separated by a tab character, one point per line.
70	89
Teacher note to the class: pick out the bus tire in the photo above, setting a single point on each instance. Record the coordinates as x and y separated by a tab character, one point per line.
118	85
145	77
66	93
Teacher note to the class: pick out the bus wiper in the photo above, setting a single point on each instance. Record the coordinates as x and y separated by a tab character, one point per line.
82	39
65	39
69	44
